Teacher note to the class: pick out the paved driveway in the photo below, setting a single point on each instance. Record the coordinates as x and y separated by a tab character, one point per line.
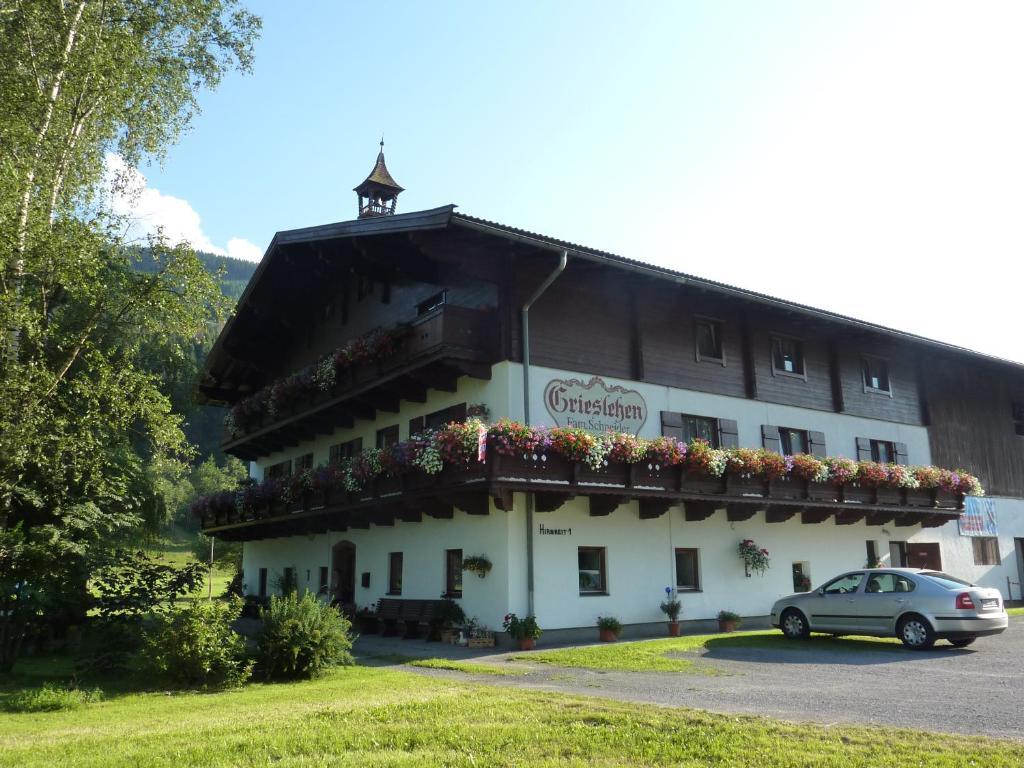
975	690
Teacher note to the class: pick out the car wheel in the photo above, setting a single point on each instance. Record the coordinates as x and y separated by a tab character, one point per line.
794	625
916	632
962	642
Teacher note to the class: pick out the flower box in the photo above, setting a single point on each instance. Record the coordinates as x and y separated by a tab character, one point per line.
612	473
649	474
321	498
744	485
858	494
417	479
787	488
534	466
385	485
301	504
948	499
481	640
921	497
453	474
822	492
889	496
699	483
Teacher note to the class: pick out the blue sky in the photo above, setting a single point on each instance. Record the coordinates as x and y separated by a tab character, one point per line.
863	157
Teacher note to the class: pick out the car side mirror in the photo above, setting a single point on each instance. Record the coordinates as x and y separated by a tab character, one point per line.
821	591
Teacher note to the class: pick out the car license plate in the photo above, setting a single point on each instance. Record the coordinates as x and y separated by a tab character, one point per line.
990	604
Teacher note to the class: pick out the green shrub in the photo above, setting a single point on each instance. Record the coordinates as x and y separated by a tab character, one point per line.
50	698
301	637
195	646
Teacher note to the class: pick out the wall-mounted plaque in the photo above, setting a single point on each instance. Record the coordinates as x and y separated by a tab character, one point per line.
595	406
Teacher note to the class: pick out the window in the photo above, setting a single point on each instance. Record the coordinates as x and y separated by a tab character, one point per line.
876	375
387	437
720	433
887	583
801	576
433	302
844	585
709	340
453	573
304	462
322	587
702	427
873	560
438	419
395	573
787	356
263	583
883	451
792	441
1018	418
986	550
289	582
278	471
687	570
592	568
345	450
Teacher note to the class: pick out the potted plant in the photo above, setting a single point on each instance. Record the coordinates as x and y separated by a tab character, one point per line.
609	628
447	616
728	621
524	631
478	564
754	558
671	608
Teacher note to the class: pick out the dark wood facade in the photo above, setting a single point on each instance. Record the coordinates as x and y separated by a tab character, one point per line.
604	315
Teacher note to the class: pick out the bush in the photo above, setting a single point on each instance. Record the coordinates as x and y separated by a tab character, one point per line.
50	698
301	637
194	646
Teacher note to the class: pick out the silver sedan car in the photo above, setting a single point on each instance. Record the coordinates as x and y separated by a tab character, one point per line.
917	606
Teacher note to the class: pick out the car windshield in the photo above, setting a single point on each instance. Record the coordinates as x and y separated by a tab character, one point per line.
945	580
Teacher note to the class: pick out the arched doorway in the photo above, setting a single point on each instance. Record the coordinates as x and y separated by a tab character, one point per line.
343	573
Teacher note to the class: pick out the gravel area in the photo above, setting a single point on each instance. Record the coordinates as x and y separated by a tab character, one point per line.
974	690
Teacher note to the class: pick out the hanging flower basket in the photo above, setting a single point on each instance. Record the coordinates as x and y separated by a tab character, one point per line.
755	558
478	564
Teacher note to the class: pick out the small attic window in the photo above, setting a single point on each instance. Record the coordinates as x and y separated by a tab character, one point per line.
428	305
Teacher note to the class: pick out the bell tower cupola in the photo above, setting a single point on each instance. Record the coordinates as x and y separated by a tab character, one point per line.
379	192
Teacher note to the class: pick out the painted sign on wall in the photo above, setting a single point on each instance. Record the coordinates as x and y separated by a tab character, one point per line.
595	406
978	517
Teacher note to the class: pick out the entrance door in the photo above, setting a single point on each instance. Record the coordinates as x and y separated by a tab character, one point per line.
1018	548
343	581
925	556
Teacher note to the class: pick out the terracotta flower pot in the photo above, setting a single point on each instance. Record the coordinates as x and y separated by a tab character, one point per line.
607	636
673	629
526	643
727	625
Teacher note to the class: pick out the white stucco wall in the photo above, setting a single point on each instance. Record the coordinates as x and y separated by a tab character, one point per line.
958	552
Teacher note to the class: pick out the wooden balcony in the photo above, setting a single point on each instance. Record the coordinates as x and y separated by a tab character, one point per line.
554	481
443	345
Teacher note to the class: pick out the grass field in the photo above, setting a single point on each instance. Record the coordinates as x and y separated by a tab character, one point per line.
652	655
376	717
1015	611
175	548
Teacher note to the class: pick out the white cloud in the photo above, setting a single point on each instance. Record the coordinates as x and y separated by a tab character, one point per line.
149	210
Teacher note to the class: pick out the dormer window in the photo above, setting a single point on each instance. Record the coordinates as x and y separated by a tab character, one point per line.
788	356
876	375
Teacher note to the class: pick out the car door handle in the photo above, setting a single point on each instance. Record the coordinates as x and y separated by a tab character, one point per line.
850	600
900	600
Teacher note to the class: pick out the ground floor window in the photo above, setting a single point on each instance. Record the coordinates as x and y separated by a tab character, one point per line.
593	571
395	573
289	582
801	577
873	559
322	586
687	570
262	583
986	550
453	573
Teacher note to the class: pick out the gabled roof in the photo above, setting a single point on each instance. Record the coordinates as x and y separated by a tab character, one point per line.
379	176
445	217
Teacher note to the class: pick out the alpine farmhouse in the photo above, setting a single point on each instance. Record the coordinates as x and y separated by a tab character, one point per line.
356	336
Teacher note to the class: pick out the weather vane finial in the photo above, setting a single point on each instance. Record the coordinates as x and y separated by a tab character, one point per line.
382	142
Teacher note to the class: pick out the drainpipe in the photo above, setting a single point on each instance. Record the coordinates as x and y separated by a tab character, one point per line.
526	414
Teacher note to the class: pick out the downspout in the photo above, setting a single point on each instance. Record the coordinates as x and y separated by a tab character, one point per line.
526	414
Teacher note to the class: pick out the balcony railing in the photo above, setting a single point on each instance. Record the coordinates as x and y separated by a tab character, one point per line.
442	345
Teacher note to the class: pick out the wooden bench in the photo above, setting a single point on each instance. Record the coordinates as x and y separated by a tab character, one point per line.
393	612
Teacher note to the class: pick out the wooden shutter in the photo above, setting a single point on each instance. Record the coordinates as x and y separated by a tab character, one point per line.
816	443
672	424
416	425
729	433
901	453
863	449
770	438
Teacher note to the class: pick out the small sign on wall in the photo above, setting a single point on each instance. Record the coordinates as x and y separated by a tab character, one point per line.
545	531
595	405
978	517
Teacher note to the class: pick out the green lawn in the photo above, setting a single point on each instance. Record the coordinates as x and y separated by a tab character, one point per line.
652	655
375	717
1015	611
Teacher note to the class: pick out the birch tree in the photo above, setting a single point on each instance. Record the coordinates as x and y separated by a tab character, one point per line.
79	416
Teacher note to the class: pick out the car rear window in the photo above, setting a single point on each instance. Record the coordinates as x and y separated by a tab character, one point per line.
945	580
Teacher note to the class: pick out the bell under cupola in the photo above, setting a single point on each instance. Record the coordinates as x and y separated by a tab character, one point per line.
379	192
